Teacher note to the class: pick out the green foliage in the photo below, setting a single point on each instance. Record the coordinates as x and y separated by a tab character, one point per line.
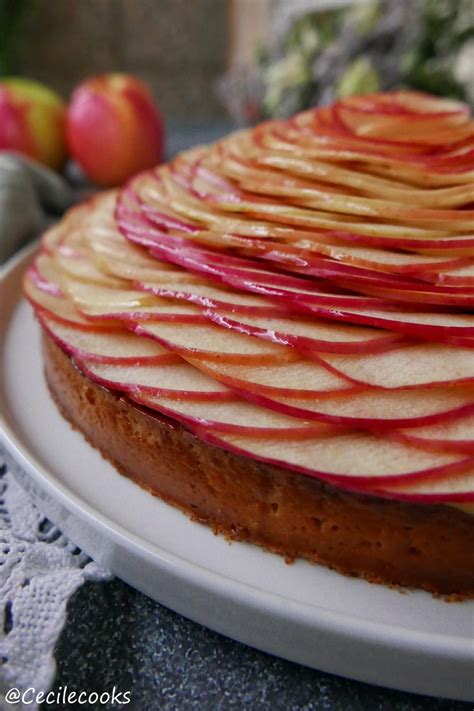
418	44
446	26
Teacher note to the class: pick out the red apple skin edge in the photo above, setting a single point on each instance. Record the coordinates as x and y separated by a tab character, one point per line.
114	129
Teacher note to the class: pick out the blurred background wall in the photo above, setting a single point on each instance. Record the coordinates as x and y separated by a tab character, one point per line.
179	46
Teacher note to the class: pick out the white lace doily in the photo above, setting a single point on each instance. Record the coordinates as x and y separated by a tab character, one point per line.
39	571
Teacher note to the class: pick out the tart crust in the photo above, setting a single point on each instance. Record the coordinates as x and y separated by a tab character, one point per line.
385	541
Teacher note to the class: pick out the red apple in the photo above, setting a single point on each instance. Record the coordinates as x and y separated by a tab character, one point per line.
32	121
114	129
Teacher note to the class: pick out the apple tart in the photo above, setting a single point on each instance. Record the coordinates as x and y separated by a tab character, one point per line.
275	333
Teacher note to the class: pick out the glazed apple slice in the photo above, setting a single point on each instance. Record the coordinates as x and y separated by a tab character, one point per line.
81	268
425	241
352	460
51	239
290	142
233	214
424	325
456	436
462	298
121	266
104	297
177	380
352	277
207	295
332	200
118	257
379	362
105	346
448	488
267	283
66	231
308	335
300	173
208	342
461	276
348	276
57	307
323	213
234	417
44	276
331	203
408	366
161	310
367	250
375	409
380	260
254	316
299	379
337	272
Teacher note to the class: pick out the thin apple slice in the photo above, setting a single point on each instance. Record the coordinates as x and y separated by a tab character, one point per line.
460	276
462	298
224	229
308	335
124	268
51	239
332	174
267	283
58	307
43	275
353	460
205	294
336	202
300	379
83	269
160	310
383	260
289	142
321	143
335	271
442	327
456	436
238	417
95	295
375	409
348	276
220	209
209	342
116	256
176	380
105	346
378	362
408	366
450	487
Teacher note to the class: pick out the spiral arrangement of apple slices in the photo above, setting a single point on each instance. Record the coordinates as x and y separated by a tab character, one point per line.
301	293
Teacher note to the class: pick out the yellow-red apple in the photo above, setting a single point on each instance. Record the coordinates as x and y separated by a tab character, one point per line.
114	129
32	121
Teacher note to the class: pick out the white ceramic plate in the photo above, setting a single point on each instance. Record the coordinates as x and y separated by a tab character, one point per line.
301	612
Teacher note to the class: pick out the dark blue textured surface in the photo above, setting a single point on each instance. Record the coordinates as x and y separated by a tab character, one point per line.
117	636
